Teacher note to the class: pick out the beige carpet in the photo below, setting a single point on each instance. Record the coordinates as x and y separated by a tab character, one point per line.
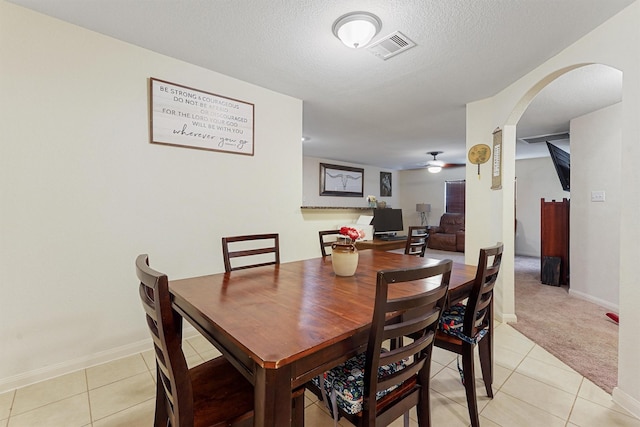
575	331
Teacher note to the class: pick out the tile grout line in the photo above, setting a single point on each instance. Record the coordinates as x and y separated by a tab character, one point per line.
551	385
573	404
499	390
13	402
575	396
86	382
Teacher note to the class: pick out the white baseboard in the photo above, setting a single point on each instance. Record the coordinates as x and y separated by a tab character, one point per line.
506	317
66	367
627	402
534	254
598	301
63	368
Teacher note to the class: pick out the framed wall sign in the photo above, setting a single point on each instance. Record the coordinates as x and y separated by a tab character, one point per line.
496	172
185	117
338	180
385	184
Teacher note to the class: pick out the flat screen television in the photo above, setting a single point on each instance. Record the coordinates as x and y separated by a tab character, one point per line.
561	161
387	221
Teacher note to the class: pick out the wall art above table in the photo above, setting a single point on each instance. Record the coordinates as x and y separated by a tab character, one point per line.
185	117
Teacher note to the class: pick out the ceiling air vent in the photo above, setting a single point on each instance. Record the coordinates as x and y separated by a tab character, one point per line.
391	45
545	138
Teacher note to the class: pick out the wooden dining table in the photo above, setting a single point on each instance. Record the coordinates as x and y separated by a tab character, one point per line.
281	325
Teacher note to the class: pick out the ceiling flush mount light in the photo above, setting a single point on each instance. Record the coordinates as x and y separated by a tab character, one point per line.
356	29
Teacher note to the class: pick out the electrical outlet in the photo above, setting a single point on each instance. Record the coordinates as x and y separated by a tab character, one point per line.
597	196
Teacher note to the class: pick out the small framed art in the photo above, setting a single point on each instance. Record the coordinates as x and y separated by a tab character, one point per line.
385	184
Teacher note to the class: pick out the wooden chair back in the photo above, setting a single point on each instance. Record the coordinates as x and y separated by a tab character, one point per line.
212	393
166	330
479	311
476	330
420	313
417	241
324	243
271	241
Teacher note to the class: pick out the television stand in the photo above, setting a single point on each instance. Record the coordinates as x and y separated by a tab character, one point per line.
378	244
391	237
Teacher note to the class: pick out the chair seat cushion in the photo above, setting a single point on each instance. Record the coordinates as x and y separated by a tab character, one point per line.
452	321
344	384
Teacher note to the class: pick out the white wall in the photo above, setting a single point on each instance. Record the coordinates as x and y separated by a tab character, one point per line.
420	186
311	185
536	179
614	43
82	192
595	166
326	219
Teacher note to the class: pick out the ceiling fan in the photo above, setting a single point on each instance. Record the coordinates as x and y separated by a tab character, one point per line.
435	165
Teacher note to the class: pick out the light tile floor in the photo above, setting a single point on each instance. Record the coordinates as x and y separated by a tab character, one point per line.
531	388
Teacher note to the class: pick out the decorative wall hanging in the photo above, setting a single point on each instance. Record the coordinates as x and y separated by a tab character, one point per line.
496	180
185	117
479	154
336	180
385	184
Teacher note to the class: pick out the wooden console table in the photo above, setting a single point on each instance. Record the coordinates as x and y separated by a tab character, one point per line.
381	245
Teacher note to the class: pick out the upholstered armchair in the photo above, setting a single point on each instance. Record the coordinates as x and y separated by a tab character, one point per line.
449	235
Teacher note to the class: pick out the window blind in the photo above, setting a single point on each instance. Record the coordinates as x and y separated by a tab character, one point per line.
454	194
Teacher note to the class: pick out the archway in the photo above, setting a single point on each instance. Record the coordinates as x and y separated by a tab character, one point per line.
596	147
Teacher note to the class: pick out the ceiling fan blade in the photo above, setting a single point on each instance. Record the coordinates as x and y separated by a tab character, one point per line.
436	163
453	165
444	166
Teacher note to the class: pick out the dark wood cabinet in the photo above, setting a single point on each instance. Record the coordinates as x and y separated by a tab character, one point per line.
554	240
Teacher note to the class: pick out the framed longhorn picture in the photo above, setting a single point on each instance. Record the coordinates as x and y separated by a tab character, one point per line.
336	180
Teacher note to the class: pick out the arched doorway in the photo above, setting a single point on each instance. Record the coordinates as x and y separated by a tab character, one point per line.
587	96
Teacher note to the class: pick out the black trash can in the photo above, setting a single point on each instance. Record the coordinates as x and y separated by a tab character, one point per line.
550	274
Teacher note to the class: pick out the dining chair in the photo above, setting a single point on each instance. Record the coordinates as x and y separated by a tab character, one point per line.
324	243
417	241
213	393
267	244
210	394
463	326
376	387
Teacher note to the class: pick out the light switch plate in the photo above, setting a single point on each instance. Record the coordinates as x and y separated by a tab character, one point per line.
597	196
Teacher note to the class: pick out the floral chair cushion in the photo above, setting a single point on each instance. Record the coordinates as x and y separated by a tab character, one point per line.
344	384
452	321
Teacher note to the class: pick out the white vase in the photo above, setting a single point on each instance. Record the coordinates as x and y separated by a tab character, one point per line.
344	259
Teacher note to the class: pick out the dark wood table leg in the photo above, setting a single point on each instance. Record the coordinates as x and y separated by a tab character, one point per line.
273	397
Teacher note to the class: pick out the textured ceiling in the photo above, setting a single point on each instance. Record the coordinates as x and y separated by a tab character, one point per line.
357	107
